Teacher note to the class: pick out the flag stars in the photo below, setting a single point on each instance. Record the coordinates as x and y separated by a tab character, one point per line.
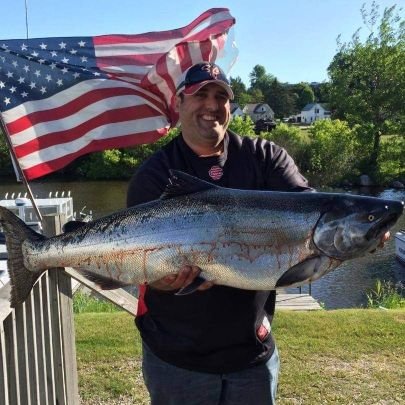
26	68
64	70
9	74
41	61
59	82
52	65
76	75
48	78
7	100
2	85
14	63
83	59
54	54
73	51
81	43
62	45
96	73
21	80
43	46
43	90
37	73
35	54
24	94
33	85
13	89
24	47
65	60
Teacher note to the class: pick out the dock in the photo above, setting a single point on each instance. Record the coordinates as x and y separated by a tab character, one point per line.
296	302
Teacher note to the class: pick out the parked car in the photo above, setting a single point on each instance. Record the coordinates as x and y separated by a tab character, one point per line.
264	126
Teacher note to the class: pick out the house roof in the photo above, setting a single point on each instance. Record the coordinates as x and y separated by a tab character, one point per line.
252	108
234	107
310	106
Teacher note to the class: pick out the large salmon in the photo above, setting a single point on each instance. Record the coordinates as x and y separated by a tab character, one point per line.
257	240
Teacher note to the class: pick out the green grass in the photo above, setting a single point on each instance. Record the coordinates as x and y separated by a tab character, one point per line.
327	357
83	302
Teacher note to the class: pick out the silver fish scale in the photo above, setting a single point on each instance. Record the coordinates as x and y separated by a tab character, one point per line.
235	237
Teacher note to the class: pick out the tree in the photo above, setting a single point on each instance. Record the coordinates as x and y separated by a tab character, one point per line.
368	78
238	88
6	167
305	95
281	99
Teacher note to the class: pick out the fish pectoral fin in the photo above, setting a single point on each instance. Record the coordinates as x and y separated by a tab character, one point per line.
191	287
302	272
105	283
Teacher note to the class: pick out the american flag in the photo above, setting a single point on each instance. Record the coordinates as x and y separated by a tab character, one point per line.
61	98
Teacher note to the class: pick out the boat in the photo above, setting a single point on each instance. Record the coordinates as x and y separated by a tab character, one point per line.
400	245
21	206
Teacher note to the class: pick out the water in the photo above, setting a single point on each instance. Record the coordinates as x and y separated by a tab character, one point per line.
345	287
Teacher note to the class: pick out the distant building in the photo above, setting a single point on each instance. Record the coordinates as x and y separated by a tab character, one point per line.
236	111
314	112
258	112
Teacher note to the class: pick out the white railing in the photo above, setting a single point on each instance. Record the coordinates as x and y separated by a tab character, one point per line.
37	338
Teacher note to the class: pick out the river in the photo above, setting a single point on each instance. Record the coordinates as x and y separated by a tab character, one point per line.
345	287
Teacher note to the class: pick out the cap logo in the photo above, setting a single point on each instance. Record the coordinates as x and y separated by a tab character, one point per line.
212	70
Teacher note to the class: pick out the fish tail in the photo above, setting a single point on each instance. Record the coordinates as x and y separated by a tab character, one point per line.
21	278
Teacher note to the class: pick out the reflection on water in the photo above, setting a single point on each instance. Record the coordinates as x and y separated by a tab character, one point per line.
345	287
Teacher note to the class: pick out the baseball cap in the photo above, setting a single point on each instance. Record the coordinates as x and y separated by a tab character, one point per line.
201	74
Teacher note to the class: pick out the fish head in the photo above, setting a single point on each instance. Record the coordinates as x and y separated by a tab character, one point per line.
352	226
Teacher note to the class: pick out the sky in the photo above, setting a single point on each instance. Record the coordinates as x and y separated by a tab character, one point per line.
295	40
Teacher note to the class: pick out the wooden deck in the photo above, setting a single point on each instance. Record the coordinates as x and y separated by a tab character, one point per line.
296	302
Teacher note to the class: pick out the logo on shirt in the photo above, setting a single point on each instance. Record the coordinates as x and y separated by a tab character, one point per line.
215	172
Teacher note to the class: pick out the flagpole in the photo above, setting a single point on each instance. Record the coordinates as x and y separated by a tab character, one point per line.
19	170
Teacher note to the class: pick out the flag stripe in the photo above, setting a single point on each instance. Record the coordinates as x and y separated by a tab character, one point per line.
48	166
51	115
101	133
76	131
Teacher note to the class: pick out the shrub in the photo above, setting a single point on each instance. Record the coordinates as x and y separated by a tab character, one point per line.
242	126
391	160
294	140
332	154
386	295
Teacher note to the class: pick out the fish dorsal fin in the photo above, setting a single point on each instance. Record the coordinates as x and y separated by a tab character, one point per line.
181	183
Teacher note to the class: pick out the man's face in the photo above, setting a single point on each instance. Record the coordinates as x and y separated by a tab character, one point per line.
205	115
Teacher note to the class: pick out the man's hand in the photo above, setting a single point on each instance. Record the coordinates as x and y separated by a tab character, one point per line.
183	278
384	239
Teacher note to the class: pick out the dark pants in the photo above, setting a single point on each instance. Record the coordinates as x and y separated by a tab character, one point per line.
170	385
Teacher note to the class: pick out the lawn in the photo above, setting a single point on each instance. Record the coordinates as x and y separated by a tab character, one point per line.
328	357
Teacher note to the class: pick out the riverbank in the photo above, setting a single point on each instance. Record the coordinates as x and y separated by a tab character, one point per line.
354	356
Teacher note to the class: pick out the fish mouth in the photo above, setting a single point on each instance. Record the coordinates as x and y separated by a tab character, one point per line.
382	226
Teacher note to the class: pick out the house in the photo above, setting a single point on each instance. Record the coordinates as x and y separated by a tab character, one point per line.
236	111
258	112
313	112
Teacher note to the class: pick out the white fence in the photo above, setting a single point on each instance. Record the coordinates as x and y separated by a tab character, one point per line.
37	338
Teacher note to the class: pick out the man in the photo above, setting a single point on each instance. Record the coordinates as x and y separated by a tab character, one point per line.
213	346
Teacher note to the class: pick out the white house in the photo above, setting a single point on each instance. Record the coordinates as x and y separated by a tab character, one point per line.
259	111
236	111
313	112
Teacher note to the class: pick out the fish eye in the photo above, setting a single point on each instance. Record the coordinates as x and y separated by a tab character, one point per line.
371	217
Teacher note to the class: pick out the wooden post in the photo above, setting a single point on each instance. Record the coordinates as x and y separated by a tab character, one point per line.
61	314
